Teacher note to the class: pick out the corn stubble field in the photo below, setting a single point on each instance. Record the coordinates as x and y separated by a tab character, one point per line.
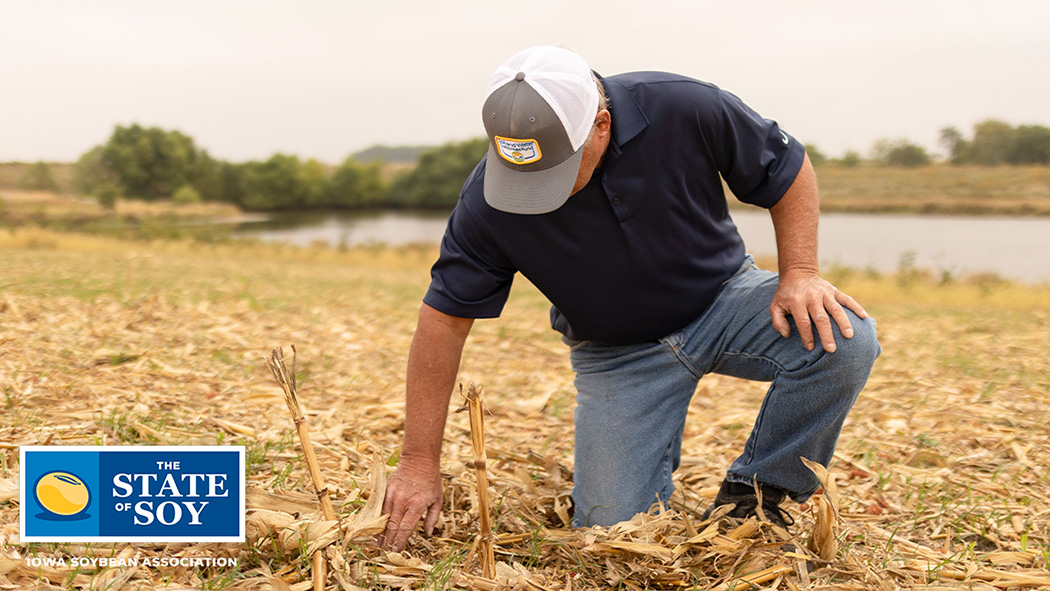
940	481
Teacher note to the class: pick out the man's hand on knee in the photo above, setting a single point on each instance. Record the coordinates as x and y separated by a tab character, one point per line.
812	302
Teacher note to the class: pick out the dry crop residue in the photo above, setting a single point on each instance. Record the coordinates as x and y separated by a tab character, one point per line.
941	472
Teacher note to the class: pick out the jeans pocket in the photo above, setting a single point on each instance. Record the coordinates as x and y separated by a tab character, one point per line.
675	339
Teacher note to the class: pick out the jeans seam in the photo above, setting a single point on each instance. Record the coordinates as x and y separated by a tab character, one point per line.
759	422
769	360
749	453
665	464
677	350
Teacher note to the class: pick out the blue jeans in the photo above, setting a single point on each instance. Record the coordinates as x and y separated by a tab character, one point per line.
631	401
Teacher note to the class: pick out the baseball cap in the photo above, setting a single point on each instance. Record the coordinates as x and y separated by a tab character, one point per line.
538	112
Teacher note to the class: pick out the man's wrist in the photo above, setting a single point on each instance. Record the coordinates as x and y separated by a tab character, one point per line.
420	460
800	270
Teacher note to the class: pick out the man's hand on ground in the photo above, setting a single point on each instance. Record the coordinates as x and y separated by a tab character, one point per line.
812	301
412	492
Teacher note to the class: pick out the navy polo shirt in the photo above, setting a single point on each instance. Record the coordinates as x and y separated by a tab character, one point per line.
644	248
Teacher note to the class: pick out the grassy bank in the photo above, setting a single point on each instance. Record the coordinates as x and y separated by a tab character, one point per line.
941	470
13	173
128	218
941	189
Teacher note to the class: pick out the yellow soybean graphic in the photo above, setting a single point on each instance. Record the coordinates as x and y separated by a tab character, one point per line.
62	493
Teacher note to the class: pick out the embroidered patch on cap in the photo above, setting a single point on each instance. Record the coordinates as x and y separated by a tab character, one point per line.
518	151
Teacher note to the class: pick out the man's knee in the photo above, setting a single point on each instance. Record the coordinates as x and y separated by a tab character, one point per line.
611	489
608	509
855	356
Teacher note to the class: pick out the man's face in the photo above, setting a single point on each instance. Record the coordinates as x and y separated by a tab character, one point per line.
594	149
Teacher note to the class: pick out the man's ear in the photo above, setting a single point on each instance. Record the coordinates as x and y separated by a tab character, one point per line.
603	121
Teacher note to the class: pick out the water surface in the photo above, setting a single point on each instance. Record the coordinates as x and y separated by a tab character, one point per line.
1014	248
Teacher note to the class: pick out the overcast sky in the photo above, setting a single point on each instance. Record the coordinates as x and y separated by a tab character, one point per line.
323	79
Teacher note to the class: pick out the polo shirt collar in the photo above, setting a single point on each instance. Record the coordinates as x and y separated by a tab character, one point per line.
628	119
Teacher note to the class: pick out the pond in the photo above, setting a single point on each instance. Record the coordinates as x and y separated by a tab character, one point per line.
1013	248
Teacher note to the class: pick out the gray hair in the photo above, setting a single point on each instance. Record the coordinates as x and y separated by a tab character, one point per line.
603	104
603	100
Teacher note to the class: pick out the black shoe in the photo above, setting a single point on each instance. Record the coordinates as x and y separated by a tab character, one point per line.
746	501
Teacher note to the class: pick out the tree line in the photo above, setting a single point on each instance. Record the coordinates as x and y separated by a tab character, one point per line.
151	163
993	143
996	142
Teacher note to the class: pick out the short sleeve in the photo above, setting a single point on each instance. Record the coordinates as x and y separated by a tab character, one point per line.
470	278
757	159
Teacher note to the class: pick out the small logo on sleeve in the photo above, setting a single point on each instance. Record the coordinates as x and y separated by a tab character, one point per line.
518	151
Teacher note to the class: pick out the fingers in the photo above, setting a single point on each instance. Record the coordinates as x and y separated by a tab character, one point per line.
411	495
433	513
394	507
387	508
800	314
780	321
799	311
815	307
852	304
822	321
404	528
838	313
804	326
399	527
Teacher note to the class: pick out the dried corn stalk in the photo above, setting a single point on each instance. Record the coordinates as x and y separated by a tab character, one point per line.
485	546
286	379
823	540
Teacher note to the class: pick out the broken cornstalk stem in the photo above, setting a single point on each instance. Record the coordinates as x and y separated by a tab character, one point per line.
286	379
486	547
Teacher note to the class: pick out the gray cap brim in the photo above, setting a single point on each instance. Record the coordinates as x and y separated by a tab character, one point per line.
530	192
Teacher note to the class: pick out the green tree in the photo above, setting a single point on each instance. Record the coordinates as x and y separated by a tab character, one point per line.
38	177
1031	145
850	159
908	154
355	184
900	153
437	181
313	179
186	195
274	184
232	182
992	143
955	144
90	173
107	195
151	163
206	176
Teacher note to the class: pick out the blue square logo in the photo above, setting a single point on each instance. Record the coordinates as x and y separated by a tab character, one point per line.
129	494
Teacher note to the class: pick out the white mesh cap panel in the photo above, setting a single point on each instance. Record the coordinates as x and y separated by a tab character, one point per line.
563	79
